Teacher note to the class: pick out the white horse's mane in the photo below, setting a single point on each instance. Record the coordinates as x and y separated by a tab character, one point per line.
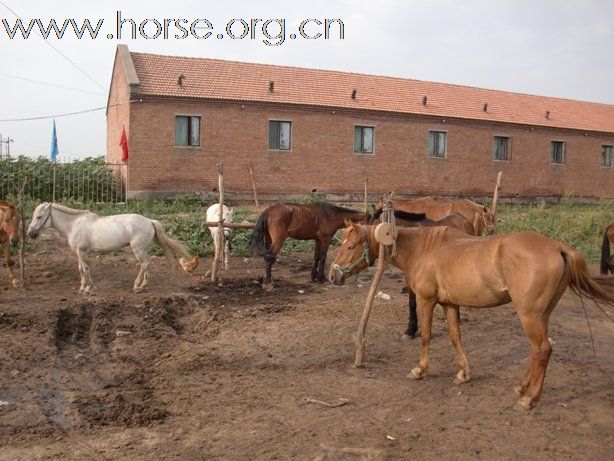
67	210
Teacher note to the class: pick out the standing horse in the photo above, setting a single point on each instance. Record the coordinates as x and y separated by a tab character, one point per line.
86	231
436	208
443	265
316	221
405	219
607	261
9	235
213	214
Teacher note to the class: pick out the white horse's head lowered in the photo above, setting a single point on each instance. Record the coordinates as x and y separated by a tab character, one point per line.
41	219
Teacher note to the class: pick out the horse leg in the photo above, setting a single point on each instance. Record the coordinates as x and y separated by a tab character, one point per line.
412	324
535	328
86	269
316	261
226	252
271	257
426	321
322	260
451	313
9	264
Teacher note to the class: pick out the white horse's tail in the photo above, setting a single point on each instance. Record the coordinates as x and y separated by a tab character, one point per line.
172	247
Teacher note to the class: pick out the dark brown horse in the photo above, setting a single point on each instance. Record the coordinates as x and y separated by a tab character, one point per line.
316	221
404	219
9	234
607	261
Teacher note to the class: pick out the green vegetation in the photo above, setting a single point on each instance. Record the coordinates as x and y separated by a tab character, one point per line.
580	226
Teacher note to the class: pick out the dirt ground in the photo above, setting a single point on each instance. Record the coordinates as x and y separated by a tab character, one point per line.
191	370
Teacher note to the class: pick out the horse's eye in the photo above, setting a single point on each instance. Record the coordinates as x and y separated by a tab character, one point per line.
351	247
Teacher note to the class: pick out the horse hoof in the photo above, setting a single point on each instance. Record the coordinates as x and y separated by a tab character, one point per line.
137	290
408	337
458	380
523	405
15	283
267	287
415	375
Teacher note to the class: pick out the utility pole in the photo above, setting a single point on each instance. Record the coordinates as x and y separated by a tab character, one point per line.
8	142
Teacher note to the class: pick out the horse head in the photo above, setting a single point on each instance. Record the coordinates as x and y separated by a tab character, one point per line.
489	221
9	222
41	218
353	255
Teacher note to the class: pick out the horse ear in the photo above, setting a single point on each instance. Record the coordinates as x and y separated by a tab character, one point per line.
347	222
485	210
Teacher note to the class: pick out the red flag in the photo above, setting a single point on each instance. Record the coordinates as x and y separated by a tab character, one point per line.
123	142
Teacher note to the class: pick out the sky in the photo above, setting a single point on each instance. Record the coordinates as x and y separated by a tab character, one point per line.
554	48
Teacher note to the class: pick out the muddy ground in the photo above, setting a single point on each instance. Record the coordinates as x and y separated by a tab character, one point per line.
191	370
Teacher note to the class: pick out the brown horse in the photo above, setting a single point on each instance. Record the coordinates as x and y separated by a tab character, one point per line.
9	234
316	221
437	208
443	265
607	261
405	219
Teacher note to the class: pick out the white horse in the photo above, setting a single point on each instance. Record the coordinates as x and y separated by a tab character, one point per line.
213	215
87	231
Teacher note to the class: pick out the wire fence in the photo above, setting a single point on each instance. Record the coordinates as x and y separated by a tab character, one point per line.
89	180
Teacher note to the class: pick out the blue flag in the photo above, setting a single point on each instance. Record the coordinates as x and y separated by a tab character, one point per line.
54	144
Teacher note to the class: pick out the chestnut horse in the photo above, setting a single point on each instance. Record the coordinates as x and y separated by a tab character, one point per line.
405	219
443	265
436	208
318	221
9	234
607	261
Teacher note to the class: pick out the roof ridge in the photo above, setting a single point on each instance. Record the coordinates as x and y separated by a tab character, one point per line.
363	74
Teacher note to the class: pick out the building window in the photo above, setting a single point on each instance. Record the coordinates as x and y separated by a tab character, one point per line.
607	156
363	139
502	148
279	135
187	131
437	143
557	152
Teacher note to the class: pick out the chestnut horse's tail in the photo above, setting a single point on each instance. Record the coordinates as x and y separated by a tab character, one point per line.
260	235
596	288
605	252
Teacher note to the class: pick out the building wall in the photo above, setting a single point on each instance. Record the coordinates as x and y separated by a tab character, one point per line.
322	156
118	112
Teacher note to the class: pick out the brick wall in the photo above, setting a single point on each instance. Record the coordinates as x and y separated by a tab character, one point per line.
322	156
118	113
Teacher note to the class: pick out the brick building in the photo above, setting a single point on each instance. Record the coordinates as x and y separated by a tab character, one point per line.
304	130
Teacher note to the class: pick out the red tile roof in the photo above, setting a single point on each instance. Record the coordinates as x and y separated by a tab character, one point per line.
238	81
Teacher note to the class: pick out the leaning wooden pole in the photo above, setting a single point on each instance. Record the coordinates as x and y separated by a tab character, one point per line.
251	175
362	328
495	198
219	247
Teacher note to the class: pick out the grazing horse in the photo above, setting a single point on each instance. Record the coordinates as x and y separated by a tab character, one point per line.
437	208
316	221
9	235
607	261
443	265
405	219
213	214
86	231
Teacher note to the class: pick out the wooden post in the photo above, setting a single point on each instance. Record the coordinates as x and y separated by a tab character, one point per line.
22	221
362	328
251	175
495	198
53	194
219	247
366	195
